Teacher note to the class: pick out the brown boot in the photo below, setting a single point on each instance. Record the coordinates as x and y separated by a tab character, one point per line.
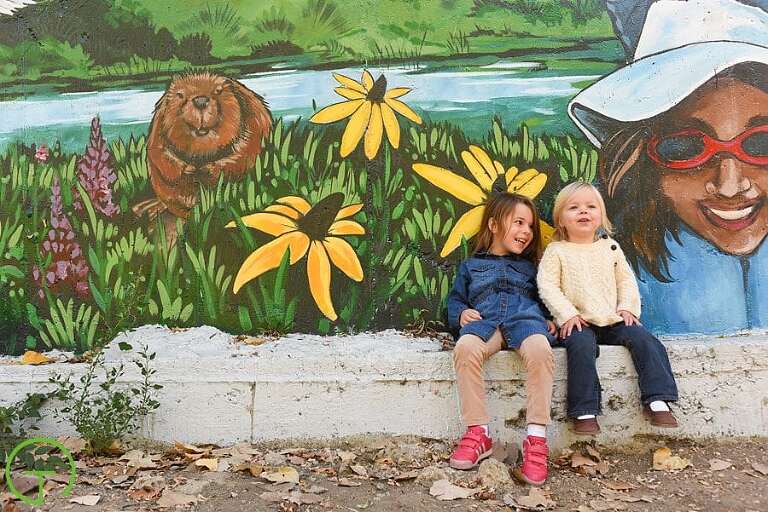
663	419
585	427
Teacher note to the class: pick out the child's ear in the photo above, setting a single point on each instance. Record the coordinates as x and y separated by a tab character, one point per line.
493	226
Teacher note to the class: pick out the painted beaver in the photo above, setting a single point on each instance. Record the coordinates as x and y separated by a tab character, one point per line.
205	125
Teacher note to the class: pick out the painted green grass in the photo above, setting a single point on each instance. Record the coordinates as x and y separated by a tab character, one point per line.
136	278
238	36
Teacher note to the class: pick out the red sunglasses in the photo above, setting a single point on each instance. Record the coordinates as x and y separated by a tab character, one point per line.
692	148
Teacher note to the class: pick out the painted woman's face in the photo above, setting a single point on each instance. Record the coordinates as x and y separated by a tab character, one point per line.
722	199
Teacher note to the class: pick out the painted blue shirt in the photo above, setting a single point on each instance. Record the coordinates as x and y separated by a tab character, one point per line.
503	289
711	292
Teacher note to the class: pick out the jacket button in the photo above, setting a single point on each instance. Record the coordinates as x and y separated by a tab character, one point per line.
613	247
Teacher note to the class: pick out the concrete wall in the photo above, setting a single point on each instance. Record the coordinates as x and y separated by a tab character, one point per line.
309	387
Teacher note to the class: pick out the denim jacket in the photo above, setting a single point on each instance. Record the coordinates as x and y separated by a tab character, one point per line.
503	289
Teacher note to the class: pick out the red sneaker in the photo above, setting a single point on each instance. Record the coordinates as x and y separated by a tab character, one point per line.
534	468
473	447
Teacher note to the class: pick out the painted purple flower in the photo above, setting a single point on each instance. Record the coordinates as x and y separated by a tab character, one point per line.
68	270
42	154
96	174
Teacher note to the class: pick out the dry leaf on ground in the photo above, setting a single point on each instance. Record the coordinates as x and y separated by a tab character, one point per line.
74	444
446	491
147	487
346	482
600	505
281	475
360	470
138	459
760	468
34	358
304	498
88	500
175	499
618	485
274	497
535	500
718	464
663	460
209	464
578	460
346	457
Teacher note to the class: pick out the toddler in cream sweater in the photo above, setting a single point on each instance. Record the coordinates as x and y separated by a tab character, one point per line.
590	289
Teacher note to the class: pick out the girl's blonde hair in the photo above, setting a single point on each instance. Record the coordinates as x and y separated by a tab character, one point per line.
562	198
498	208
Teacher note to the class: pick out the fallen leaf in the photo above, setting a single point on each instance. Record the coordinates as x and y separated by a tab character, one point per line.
282	475
75	445
446	491
663	460
360	470
88	500
618	485
273	497
346	482
251	340
602	467
346	457
209	464
24	484
303	498
34	358
274	459
138	459
536	500
184	447
175	499
578	460
760	468
600	505
408	475
584	508
718	465
147	487
316	489
592	451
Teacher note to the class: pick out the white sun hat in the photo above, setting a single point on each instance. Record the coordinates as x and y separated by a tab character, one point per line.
682	45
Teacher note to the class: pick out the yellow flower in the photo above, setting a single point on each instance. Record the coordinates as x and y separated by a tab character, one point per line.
371	110
490	177
303	229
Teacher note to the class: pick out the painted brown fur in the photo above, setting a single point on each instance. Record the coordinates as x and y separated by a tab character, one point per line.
204	126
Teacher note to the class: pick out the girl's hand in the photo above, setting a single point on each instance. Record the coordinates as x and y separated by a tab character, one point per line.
567	327
469	315
629	318
551	327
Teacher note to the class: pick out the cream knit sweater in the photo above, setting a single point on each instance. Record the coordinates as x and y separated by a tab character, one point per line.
592	280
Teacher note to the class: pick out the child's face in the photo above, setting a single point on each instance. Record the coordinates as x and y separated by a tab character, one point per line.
724	200
516	233
582	215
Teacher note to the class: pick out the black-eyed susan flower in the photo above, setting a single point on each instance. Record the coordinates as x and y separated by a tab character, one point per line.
371	110
303	229
491	177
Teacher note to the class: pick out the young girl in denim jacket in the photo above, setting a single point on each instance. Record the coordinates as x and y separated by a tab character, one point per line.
589	287
495	305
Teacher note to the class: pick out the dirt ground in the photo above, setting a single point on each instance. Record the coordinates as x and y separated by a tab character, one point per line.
402	474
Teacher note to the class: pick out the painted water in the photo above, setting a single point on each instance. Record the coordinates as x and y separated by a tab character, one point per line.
515	91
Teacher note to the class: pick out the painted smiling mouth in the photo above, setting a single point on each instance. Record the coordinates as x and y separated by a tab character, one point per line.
733	218
201	131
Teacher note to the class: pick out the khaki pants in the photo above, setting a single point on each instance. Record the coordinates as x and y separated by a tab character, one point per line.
469	355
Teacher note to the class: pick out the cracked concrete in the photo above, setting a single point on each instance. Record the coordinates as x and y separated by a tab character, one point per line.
314	387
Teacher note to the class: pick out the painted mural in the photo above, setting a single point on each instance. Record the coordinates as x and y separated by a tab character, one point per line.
320	166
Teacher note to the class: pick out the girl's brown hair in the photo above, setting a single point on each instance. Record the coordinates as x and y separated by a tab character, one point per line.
633	197
498	208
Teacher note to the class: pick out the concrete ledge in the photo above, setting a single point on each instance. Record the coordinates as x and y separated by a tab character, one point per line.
313	387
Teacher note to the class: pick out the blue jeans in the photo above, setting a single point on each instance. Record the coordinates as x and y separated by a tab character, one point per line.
648	354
